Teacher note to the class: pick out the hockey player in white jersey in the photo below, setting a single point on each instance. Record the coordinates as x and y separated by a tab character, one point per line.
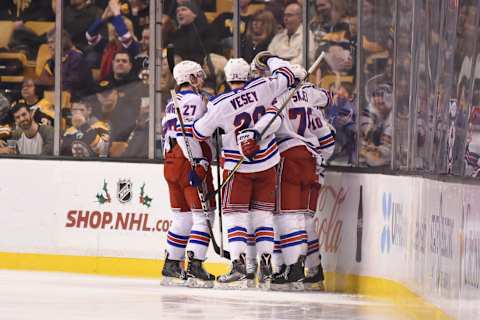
189	230
305	141
243	113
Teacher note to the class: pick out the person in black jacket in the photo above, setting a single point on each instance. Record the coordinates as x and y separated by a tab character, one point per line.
190	39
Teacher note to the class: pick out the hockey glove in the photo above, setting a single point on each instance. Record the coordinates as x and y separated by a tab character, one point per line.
198	172
247	141
260	60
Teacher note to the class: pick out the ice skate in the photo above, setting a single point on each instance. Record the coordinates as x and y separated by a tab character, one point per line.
197	276
314	279
173	274
265	271
236	278
292	277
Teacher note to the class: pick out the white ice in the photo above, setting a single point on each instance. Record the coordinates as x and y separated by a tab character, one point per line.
51	296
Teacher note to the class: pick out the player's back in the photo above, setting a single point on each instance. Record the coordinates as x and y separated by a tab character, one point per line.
191	107
241	109
304	122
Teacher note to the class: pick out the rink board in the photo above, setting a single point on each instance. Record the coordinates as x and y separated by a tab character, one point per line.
416	240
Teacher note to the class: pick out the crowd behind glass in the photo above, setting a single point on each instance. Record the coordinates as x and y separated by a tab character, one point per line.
404	73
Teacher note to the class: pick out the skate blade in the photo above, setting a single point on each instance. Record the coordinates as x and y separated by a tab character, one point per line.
235	285
173	282
198	283
316	286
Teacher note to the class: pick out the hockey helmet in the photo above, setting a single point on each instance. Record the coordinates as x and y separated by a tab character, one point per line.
183	71
237	69
298	71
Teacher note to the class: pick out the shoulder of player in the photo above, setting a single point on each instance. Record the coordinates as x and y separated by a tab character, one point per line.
215	100
189	97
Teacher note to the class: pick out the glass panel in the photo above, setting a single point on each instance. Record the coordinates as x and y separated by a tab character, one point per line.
333	25
403	63
460	103
472	153
105	79
444	90
27	78
427	25
376	86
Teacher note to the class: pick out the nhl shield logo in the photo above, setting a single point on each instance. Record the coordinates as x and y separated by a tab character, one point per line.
124	190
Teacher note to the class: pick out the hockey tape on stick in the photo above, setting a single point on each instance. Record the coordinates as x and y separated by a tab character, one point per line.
200	190
269	124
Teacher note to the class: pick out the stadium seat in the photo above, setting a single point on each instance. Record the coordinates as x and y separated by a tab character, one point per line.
6	33
42	56
40	27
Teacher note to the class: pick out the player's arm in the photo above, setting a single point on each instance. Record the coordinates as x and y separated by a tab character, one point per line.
325	134
282	75
205	126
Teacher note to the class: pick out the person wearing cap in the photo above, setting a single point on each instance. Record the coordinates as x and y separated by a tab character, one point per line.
190	39
119	112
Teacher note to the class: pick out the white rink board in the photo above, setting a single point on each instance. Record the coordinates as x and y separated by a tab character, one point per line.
422	233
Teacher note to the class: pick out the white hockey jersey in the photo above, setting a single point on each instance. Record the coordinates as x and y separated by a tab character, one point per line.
304	122
192	107
249	107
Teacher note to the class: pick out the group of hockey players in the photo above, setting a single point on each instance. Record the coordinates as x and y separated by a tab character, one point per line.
269	200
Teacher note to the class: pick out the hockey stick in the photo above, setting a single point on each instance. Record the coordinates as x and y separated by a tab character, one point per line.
269	124
200	189
219	198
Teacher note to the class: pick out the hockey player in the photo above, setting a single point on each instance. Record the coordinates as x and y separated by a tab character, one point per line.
189	230
243	113
305	141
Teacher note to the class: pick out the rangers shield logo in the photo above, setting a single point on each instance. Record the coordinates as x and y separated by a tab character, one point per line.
124	190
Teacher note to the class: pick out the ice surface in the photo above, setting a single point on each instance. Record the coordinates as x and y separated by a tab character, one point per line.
42	296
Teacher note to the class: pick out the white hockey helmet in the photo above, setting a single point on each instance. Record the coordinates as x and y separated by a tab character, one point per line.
183	71
298	71
237	69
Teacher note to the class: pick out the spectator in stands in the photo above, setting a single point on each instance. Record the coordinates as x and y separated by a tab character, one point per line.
77	17
31	138
34	10
190	39
216	81
321	22
43	111
122	69
221	29
140	61
120	114
171	6
76	77
342	115
138	139
120	36
288	44
87	137
6	121
376	127
260	31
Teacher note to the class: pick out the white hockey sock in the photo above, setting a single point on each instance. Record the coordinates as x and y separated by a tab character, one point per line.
293	237
177	236
277	257
262	222
251	249
313	251
236	224
199	235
